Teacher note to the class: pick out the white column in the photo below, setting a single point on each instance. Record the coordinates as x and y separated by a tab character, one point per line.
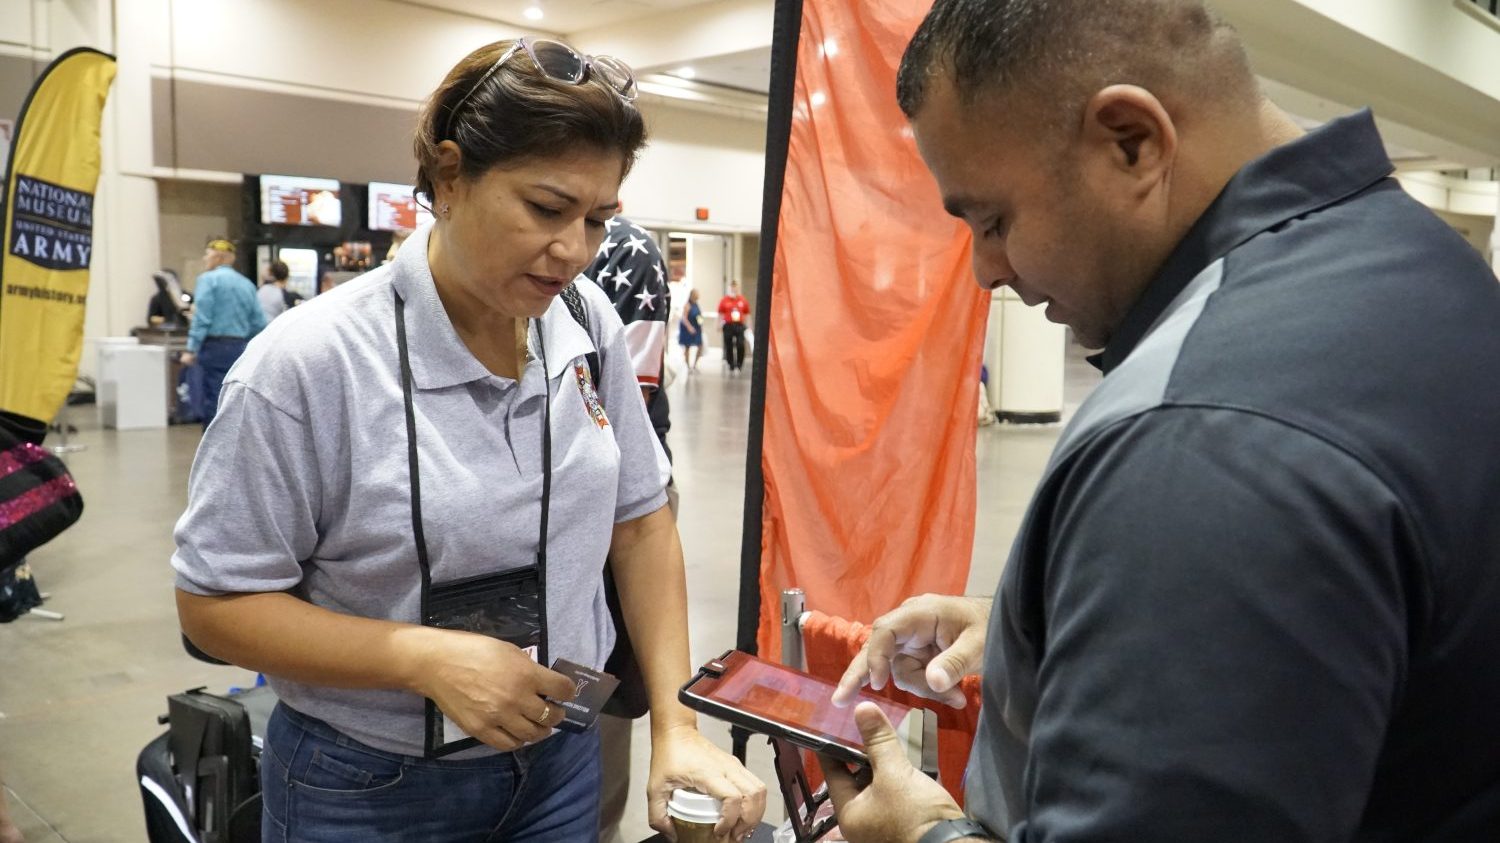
1025	355
1495	239
126	236
706	262
132	218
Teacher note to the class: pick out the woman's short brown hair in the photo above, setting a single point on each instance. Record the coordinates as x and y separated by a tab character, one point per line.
519	113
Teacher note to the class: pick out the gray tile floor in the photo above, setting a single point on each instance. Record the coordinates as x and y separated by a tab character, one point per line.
78	699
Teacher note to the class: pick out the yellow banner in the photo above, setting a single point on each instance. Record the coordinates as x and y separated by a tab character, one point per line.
48	232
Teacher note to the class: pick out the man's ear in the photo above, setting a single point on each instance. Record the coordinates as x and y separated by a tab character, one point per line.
445	177
1135	129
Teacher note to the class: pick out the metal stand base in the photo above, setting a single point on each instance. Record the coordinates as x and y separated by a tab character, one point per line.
801	802
60	424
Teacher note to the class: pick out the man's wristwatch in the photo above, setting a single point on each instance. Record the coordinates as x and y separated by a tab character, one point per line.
950	830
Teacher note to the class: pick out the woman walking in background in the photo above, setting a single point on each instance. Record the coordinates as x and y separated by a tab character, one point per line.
690	332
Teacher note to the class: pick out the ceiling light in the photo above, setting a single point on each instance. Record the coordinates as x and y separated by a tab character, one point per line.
686	72
533	13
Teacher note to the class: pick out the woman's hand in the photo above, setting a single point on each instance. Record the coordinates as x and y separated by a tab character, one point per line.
491	689
681	757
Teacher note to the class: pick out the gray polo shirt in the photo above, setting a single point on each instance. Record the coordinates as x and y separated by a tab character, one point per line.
272	300
301	481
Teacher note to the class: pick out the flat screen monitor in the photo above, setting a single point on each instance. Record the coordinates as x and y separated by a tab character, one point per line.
394	207
293	200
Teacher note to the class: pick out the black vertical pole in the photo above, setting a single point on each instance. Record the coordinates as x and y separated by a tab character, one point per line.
786	32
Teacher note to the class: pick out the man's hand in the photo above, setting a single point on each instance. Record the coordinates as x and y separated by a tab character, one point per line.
928	646
900	803
187	358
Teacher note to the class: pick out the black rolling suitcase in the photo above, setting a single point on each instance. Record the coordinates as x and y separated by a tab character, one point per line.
200	780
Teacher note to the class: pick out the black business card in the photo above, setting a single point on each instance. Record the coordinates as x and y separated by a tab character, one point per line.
592	687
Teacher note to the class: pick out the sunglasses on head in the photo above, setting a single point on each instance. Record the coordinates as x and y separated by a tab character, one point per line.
561	63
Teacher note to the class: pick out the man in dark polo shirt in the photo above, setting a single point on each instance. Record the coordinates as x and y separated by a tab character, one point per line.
1257	593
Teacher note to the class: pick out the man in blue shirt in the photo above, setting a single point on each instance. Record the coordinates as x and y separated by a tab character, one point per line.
226	314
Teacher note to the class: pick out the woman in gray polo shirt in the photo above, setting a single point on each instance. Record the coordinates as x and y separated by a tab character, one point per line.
394	441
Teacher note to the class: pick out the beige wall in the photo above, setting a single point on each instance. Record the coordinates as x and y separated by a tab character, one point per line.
698	160
16	75
239	130
693	159
191	214
1475	229
382	49
1426	66
256	86
748	268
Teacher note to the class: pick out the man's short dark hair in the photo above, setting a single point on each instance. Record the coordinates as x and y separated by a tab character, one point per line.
279	271
1060	52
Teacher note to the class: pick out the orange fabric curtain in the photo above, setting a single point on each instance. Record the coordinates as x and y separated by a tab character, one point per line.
831	642
876	337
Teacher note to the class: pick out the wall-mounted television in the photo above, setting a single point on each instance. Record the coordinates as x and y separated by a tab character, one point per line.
394	207
294	200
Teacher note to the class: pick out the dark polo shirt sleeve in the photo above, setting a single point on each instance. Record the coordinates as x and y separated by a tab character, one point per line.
1225	636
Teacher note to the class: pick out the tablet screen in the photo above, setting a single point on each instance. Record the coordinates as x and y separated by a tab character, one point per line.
794	699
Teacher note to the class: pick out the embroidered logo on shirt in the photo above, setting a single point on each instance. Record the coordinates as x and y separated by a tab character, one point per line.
590	395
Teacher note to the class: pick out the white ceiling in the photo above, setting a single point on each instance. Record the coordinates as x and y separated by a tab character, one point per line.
748	71
1407	148
563	16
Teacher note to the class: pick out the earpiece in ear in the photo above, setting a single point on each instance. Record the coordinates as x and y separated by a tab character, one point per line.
443	209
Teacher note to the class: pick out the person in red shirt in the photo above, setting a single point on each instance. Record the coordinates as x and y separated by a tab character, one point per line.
734	315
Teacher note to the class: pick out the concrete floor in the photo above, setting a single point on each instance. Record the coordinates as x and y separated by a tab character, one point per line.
78	699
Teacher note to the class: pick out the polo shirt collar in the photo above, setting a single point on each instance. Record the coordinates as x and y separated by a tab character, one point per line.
1329	164
439	358
565	339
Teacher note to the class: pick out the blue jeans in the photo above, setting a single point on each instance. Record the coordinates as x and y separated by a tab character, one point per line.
320	785
216	357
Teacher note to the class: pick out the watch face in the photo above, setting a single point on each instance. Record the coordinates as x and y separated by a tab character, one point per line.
950	830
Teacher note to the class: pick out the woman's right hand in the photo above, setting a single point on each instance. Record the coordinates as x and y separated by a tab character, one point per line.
491	689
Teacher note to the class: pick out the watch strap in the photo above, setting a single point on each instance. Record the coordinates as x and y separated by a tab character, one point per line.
950	830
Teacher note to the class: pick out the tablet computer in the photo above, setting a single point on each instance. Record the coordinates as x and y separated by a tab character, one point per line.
775	700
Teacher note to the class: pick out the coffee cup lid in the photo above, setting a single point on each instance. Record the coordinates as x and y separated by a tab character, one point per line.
694	807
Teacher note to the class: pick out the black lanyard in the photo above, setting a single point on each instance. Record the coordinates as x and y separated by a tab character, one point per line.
414	475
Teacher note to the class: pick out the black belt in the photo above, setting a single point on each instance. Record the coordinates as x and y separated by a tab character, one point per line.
222	337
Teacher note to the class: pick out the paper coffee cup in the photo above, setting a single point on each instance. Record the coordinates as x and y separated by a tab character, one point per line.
694	815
